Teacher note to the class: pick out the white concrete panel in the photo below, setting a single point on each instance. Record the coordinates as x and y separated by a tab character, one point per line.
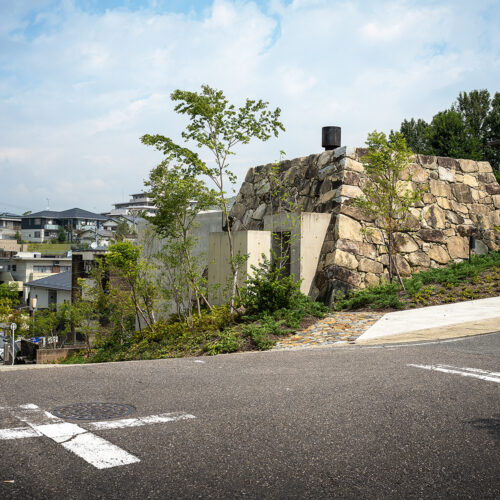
398	322
251	243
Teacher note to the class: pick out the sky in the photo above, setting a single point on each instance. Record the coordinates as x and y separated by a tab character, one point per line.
82	81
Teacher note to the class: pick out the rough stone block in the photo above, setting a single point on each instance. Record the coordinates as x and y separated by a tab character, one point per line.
493	188
462	193
434	235
484	166
440	188
428	198
434	217
450	163
351	178
496	200
419	259
438	254
340	273
459	207
350	164
347	229
405	243
470	180
342	259
443	203
445	174
350	191
403	266
259	213
370	266
358	248
354	212
238	210
454	218
486	178
458	247
429	162
468	166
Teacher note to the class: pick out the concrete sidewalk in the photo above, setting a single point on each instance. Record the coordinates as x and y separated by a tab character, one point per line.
451	320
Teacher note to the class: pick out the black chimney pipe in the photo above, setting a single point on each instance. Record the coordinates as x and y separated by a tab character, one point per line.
330	138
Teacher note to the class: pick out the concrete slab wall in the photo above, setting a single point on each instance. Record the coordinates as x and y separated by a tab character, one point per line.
308	232
251	243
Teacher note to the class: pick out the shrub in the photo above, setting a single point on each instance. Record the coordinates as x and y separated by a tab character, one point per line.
269	290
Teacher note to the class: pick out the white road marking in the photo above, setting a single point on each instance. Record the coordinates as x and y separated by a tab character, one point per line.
464	372
137	422
93	449
18	433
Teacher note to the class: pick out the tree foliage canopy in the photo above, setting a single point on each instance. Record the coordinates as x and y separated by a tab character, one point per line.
462	131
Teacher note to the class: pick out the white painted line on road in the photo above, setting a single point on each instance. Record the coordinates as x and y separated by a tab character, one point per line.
98	452
93	449
18	433
137	422
464	372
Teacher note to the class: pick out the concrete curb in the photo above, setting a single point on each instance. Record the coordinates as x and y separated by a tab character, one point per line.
467	329
434	317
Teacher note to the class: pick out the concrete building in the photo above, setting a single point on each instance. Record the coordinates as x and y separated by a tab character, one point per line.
138	203
458	214
10	226
43	226
50	291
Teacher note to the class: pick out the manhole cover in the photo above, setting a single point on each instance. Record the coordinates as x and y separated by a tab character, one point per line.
93	411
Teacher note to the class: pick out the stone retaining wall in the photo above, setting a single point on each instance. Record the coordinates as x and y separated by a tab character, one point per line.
461	198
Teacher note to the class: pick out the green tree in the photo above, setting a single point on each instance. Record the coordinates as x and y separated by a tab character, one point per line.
217	126
122	230
449	135
61	235
463	131
179	197
416	134
387	200
130	271
9	299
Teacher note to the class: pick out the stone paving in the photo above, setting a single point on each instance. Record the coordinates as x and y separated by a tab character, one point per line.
337	328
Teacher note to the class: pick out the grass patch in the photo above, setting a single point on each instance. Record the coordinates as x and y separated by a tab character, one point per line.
214	333
455	283
51	248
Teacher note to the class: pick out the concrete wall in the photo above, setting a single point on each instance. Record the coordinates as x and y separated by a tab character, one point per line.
54	355
308	232
253	243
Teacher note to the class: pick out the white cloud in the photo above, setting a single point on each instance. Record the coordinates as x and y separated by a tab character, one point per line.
80	88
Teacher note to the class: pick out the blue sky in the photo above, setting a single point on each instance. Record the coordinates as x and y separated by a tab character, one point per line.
81	81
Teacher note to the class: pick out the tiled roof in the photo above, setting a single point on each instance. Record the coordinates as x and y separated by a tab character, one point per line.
59	281
72	213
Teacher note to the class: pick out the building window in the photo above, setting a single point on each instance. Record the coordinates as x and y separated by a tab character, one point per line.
42	269
37	234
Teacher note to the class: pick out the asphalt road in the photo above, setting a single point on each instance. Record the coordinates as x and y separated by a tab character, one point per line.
319	423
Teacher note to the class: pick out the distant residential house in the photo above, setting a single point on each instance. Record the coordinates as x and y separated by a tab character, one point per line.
101	237
42	226
139	203
23	267
51	291
10	226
